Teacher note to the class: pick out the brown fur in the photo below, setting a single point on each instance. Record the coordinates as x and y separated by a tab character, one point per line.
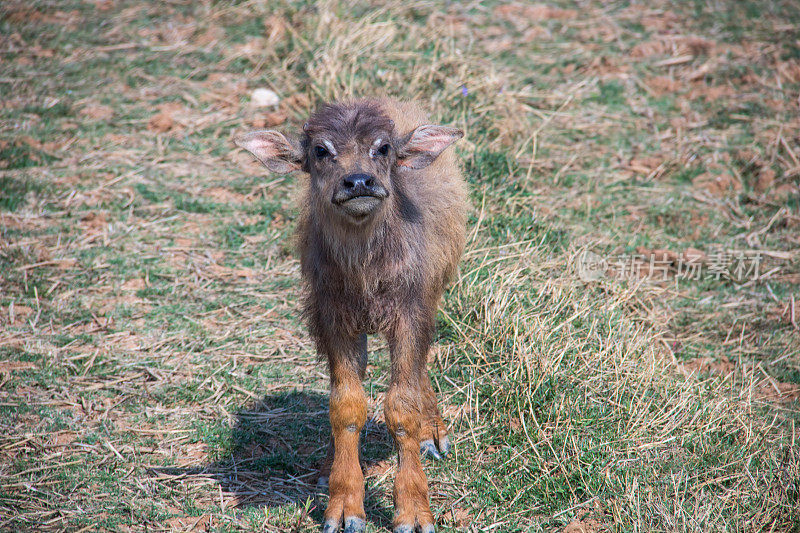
385	275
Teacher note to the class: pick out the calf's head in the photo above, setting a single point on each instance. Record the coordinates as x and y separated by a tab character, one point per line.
352	153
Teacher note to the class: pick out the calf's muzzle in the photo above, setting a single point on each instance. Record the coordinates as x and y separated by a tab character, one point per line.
359	195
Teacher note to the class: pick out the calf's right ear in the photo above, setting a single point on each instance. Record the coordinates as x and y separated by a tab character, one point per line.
423	145
278	153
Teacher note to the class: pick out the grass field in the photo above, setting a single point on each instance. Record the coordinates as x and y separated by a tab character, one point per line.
154	374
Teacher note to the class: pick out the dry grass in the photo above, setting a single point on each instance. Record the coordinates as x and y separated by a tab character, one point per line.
154	374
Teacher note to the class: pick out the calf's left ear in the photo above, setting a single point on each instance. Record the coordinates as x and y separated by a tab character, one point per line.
278	153
423	145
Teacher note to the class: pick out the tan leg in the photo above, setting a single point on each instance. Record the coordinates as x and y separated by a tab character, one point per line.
435	443
325	469
406	406
348	412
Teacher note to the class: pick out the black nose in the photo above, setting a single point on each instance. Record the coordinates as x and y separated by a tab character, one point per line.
357	186
358	181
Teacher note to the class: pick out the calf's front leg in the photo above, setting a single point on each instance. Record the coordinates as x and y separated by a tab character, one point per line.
348	413
405	409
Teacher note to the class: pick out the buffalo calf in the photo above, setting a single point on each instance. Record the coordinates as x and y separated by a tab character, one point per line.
380	234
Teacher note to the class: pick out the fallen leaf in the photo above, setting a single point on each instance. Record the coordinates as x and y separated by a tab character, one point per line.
221	194
516	11
222	272
164	121
196	453
661	85
789	71
378	468
722	366
645	165
783	192
695	256
458	517
766	178
776	391
203	523
11	366
297	102
662	263
134	284
694	45
455	24
276	28
583	526
675	46
269	120
211	35
103	5
17	314
160	122
658	255
30	141
252	48
717	184
97	112
660	22
534	33
28	14
64	438
605	66
710	93
125	340
649	49
173	32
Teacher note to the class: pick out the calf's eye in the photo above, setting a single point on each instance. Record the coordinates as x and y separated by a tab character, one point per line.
384	149
320	151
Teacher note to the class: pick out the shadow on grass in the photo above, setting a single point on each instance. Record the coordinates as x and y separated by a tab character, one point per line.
277	447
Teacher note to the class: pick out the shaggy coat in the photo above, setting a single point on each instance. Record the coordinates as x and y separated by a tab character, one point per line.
381	231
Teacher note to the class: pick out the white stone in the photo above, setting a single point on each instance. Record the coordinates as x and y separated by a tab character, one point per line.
263	97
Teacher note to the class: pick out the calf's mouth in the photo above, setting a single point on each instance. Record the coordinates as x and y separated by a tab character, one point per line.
359	202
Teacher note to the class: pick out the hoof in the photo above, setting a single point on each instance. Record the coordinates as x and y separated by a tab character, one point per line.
354	525
444	448
408	528
330	526
428	449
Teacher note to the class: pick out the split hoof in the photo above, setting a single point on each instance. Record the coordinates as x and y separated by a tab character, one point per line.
354	524
445	446
429	449
330	526
409	528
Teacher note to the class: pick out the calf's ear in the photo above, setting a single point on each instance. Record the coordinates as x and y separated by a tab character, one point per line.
278	153
422	146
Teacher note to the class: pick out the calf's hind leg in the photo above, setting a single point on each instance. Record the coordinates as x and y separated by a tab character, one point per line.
348	412
435	442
